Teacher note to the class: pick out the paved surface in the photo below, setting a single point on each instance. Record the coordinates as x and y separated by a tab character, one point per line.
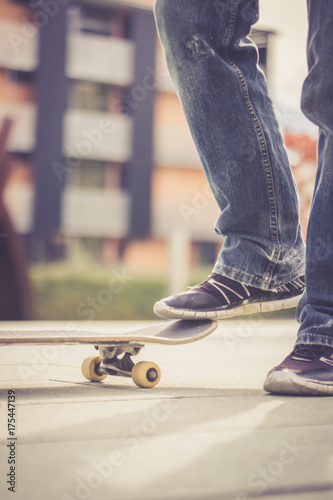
207	431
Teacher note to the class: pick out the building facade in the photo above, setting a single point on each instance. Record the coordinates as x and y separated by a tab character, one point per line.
102	158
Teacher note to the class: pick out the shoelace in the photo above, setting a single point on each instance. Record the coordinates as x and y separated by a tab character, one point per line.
211	281
230	291
309	352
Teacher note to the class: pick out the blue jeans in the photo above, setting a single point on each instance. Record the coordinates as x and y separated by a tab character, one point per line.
214	68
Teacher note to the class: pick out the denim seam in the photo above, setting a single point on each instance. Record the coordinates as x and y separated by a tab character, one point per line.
261	141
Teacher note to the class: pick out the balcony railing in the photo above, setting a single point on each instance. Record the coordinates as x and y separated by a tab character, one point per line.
91	212
98	136
100	59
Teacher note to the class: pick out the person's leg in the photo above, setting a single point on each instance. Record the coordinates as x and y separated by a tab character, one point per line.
309	368
214	68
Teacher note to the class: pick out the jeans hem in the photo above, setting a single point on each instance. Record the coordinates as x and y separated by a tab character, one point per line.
311	338
255	281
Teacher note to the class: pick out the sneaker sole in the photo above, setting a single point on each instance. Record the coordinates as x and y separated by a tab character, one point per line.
287	382
162	309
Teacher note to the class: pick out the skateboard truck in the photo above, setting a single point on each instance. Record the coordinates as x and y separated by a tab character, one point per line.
116	359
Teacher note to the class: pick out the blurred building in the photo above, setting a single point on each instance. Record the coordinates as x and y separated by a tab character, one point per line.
302	151
102	158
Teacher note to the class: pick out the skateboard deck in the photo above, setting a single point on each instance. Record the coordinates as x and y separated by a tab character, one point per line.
116	349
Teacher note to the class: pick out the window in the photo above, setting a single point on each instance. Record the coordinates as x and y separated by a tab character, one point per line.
87	174
98	21
26	77
96	174
96	96
88	96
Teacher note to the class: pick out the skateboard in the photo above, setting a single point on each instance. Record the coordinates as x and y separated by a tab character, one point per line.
116	349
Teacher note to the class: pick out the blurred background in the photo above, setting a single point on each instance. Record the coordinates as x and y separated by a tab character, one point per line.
103	204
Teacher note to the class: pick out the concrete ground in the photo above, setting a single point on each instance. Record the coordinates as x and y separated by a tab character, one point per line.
207	431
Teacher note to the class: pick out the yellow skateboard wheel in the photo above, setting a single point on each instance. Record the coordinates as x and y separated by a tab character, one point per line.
89	367
146	374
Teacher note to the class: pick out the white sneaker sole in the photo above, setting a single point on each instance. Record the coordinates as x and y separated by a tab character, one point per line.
288	382
162	309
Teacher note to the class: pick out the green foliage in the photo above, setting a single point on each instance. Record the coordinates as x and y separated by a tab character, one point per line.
66	292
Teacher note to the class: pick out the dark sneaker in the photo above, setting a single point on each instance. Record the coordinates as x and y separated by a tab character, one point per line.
308	370
221	297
